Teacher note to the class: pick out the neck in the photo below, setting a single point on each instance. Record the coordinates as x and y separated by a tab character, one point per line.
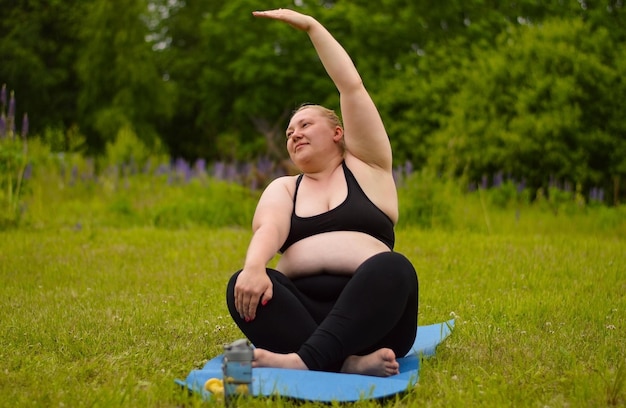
323	171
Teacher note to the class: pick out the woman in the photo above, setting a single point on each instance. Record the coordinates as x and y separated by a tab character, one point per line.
339	299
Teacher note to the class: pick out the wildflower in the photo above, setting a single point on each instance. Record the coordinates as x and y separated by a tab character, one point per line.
408	168
11	112
25	126
183	169
521	186
200	167
219	170
498	179
3	96
28	171
610	326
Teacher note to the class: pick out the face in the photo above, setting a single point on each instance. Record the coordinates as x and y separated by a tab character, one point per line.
309	133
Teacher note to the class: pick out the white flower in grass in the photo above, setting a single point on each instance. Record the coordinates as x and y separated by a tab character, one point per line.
610	326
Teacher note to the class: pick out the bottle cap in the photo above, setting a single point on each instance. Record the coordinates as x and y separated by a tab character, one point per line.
239	350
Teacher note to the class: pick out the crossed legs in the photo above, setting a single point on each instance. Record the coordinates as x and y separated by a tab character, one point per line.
357	324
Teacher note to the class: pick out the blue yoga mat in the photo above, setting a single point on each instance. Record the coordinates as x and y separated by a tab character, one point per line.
325	386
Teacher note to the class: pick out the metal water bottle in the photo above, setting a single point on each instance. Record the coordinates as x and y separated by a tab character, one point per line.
237	370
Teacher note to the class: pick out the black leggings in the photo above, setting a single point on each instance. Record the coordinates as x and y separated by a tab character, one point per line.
326	318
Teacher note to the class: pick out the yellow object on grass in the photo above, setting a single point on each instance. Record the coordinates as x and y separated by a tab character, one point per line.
215	386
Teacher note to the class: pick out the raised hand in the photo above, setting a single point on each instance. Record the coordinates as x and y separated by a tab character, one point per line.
293	18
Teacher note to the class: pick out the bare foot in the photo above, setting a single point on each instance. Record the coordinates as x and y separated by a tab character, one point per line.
381	363
265	358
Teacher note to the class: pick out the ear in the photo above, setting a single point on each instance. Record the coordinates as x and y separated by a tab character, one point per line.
338	134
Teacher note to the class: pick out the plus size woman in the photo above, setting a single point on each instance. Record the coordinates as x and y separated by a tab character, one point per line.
339	299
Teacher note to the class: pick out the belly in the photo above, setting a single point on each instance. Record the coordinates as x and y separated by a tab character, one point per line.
339	252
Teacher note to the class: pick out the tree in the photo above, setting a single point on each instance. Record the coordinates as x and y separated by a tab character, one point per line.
38	47
538	106
120	85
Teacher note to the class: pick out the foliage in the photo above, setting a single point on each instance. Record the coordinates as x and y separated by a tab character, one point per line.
120	84
128	150
467	87
426	201
543	116
71	192
39	47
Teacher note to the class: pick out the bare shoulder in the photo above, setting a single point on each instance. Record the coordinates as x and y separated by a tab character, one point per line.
280	188
377	183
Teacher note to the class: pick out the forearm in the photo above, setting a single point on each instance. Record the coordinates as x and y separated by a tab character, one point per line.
262	248
334	57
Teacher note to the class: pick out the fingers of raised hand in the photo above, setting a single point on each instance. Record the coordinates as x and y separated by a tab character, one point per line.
297	20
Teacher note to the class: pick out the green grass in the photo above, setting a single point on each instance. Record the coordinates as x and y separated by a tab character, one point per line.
110	290
103	317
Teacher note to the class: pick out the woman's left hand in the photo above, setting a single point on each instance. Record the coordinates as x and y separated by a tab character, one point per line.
293	18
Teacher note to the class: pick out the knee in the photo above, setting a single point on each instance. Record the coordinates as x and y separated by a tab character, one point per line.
391	267
230	287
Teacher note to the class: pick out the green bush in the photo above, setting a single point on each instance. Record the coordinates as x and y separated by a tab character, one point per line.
426	201
216	204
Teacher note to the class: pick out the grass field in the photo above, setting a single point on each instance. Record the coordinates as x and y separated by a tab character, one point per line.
111	289
108	317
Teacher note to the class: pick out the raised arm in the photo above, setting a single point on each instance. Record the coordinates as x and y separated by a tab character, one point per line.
364	133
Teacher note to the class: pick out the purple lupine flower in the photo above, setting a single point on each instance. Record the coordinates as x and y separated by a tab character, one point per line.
147	166
567	186
231	172
553	182
484	182
132	166
247	170
497	179
264	165
25	126
74	175
3	126
3	96
219	170
90	171
408	168
162	169
521	186
200	167
397	175
28	171
596	194
183	168
11	112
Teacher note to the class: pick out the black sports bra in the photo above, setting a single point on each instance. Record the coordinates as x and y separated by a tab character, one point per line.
356	213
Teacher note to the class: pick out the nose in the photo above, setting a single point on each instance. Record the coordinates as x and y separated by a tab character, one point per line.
296	135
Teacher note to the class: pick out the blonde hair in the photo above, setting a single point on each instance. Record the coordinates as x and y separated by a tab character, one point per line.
330	114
